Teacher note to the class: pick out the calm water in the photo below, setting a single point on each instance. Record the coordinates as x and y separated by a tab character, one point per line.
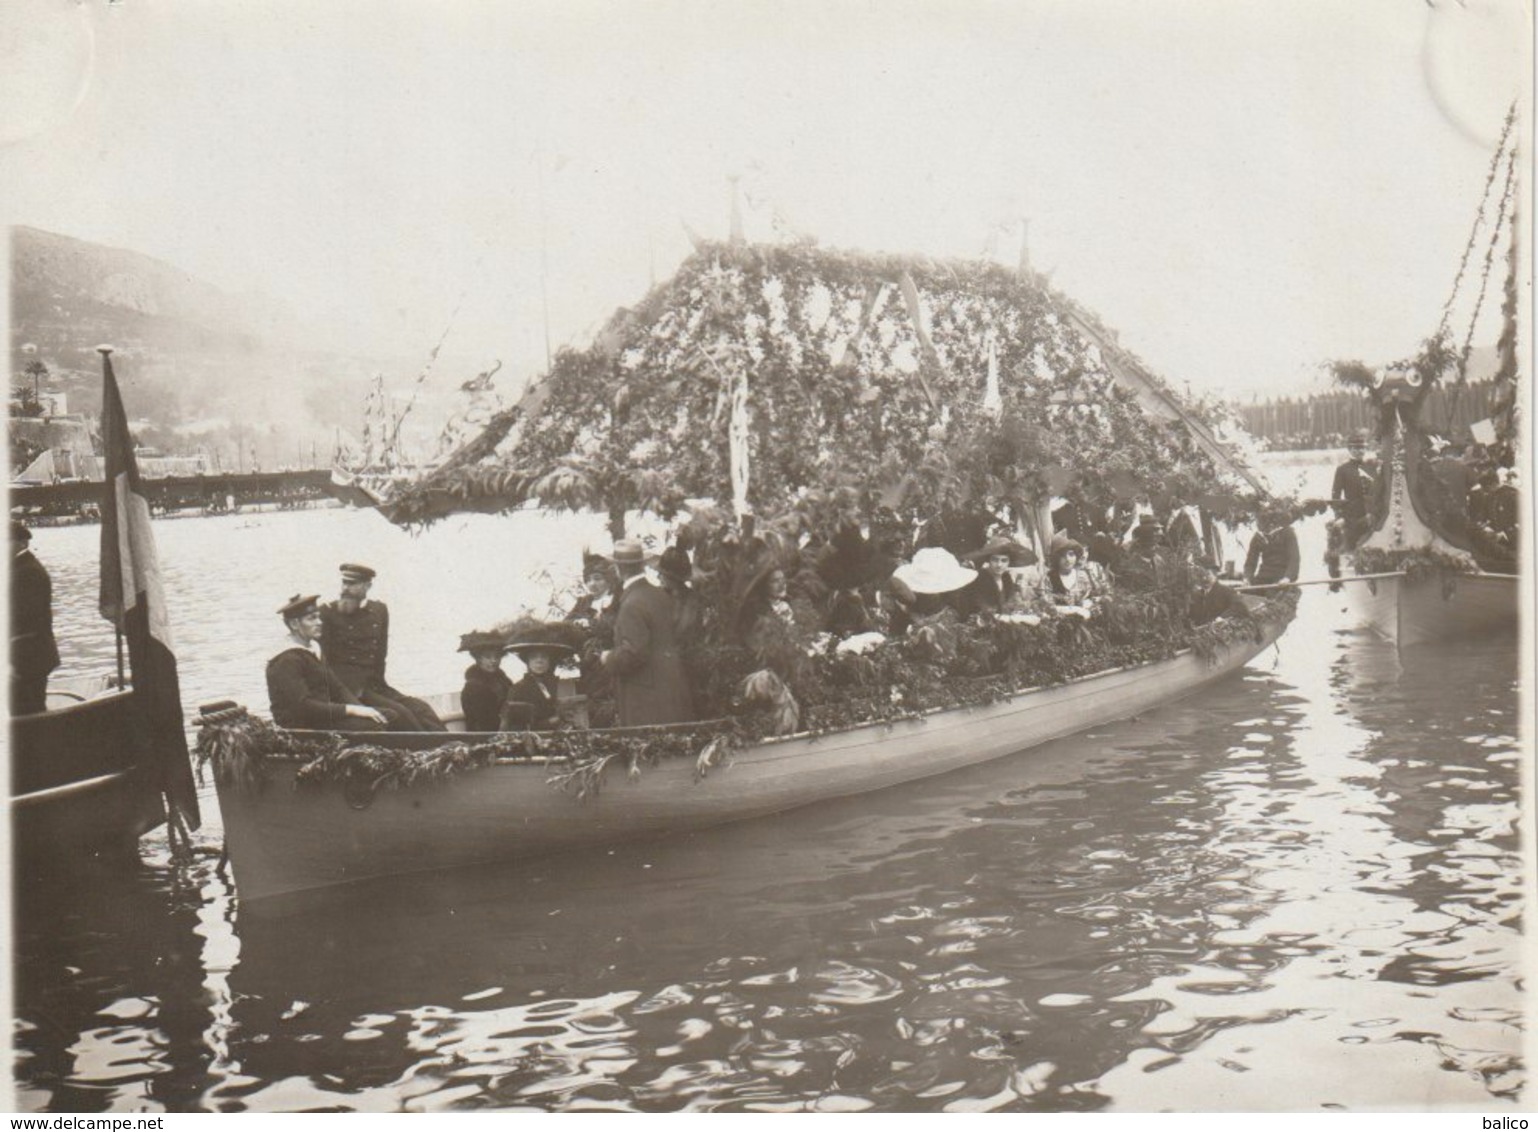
1300	889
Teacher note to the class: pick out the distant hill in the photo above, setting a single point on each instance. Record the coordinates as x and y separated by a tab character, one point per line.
199	365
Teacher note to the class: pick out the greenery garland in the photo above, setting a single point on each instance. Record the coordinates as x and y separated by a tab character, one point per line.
1416	563
943	665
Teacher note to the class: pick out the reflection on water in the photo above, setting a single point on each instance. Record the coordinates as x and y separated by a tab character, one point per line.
1297	890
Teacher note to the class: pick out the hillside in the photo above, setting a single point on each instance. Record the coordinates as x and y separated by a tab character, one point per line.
202	367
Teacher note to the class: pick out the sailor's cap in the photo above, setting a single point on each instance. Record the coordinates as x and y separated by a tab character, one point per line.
300	605
352	572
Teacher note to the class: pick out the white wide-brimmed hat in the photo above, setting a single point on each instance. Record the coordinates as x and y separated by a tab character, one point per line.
934	570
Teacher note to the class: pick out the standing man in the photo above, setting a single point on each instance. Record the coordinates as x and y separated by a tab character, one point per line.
34	653
1351	495
355	636
301	689
646	663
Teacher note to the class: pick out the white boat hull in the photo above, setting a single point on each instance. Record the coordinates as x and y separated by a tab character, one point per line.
283	839
1425	611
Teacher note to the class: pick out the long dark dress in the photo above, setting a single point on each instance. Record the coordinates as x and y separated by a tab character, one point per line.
539	694
482	698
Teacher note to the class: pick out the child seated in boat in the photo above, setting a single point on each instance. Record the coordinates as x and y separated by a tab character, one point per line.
534	702
486	685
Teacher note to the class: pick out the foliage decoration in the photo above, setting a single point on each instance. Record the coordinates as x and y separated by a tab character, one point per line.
1416	563
848	387
948	665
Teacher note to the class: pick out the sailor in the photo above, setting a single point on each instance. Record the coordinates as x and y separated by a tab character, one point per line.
647	667
354	640
1273	555
486	685
303	691
34	653
539	690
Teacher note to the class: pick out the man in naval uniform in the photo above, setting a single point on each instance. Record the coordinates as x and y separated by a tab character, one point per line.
355	636
302	690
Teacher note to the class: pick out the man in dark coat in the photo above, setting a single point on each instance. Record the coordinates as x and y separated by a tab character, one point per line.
1144	566
355	638
1351	492
1211	599
303	691
646	663
34	653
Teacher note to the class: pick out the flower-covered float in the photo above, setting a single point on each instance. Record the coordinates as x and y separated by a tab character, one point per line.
814	412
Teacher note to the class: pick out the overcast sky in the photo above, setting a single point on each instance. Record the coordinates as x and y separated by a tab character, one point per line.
1243	188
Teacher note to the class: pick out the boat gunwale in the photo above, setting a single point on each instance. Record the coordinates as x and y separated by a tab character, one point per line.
359	738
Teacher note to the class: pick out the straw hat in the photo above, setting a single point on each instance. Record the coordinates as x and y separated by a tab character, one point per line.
629	552
934	570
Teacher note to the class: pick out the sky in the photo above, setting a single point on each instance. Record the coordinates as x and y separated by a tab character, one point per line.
1244	189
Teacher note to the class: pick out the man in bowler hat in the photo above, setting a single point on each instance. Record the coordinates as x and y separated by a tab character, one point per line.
34	653
355	638
646	662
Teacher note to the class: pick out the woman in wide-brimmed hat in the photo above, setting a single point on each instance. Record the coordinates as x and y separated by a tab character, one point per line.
995	588
539	689
1069	584
486	685
931	584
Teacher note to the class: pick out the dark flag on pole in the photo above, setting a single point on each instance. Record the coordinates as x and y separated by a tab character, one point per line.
133	599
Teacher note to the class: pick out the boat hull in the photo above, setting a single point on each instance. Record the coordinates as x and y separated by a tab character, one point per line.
76	789
1425	611
285	840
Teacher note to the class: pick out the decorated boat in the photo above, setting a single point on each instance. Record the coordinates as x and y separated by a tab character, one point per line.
1446	522
306	810
820	415
107	761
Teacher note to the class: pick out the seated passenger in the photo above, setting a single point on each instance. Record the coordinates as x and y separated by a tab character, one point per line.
486	685
1144	566
1210	598
768	595
534	702
302	690
933	583
1070	586
355	639
994	589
